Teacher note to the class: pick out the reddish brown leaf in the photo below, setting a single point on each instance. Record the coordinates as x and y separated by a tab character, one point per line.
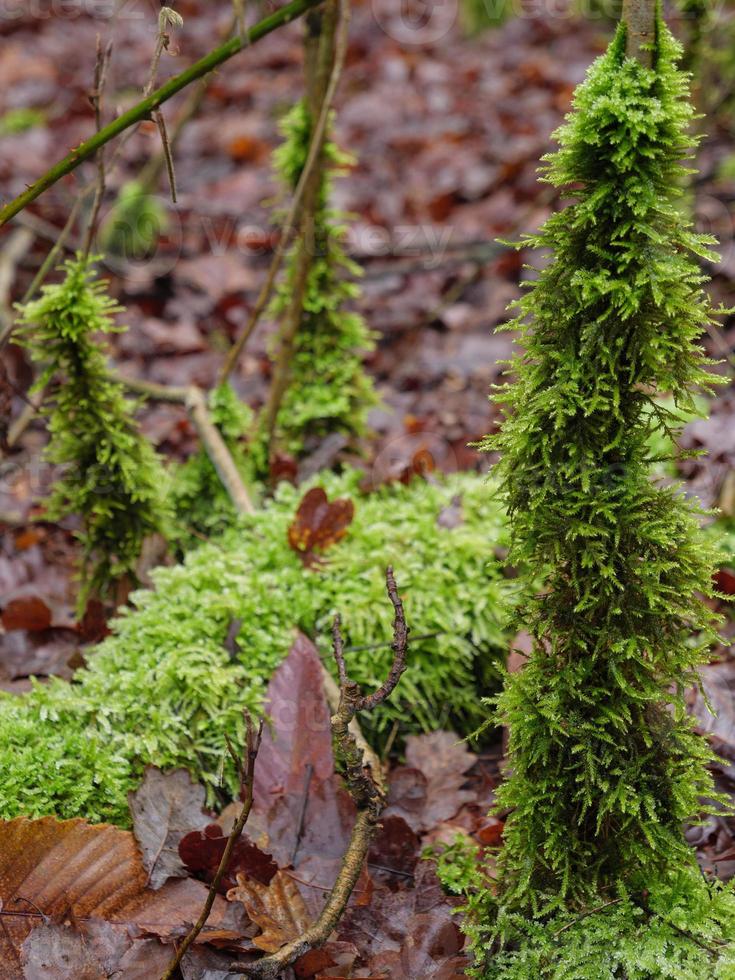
395	848
26	613
725	581
201	851
93	627
52	869
319	524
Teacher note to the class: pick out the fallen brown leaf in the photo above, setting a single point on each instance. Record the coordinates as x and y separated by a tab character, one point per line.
319	524
277	908
165	807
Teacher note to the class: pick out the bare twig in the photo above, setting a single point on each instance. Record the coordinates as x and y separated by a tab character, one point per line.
144	108
368	795
303	186
100	79
17	246
253	746
195	402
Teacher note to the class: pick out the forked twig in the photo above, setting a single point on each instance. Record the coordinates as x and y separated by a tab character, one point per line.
292	220
364	788
254	738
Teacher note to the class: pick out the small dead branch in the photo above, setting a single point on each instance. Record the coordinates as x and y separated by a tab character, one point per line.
17	245
303	190
216	448
367	793
254	738
195	402
100	80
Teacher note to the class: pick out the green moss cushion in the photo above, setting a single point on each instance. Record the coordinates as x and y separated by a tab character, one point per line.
164	690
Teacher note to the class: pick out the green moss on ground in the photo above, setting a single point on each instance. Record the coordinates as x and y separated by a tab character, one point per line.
164	690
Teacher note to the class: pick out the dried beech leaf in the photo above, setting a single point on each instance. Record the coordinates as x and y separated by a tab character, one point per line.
277	908
71	870
165	807
319	524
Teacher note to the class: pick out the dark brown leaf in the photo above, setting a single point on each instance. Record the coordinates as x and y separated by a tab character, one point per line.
201	851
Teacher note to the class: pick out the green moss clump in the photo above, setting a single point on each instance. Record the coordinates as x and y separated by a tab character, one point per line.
604	764
329	389
164	690
112	477
684	929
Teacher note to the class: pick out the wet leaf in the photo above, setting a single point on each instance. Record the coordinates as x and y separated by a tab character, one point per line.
201	851
319	524
165	807
70	870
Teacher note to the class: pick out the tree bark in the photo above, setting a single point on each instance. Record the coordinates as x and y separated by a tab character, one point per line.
639	17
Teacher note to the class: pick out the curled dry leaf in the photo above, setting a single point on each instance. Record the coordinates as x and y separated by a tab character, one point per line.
427	791
277	908
319	524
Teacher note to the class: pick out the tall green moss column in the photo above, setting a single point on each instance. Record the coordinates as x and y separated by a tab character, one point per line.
605	766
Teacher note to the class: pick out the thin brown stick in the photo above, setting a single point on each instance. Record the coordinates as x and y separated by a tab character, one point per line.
16	247
368	795
96	96
305	180
216	448
195	402
322	65
253	746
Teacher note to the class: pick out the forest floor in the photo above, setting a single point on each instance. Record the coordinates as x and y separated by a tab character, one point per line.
447	133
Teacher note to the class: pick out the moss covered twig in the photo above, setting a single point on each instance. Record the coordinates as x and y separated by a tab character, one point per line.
367	793
309	176
148	105
325	45
253	739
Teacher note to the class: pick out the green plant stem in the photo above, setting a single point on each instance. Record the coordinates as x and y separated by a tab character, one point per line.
148	105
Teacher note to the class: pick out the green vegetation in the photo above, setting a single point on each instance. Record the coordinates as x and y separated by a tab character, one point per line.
19	120
135	223
200	502
605	766
684	929
329	390
112	478
163	689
